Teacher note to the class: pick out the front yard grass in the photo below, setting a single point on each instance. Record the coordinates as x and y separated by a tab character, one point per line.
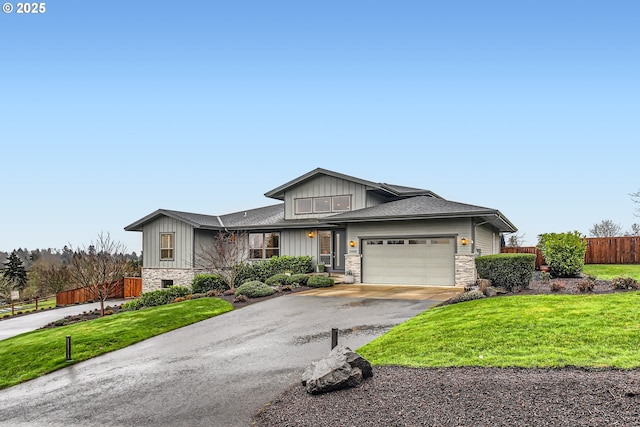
610	271
36	353
548	331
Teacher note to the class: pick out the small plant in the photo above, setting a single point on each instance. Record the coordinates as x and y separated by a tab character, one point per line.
207	282
585	285
467	296
591	277
286	288
214	293
277	280
320	282
297	280
108	312
179	299
624	282
545	276
132	305
557	286
241	298
254	289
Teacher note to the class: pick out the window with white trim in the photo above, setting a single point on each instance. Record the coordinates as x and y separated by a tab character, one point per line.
167	246
327	204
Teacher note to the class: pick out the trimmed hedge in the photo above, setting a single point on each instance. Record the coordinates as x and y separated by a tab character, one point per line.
208	282
263	269
157	297
320	282
298	279
254	289
507	270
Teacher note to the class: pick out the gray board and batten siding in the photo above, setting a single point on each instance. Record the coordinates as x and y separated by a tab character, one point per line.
183	243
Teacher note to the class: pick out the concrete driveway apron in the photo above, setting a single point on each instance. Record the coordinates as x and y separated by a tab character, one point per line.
218	372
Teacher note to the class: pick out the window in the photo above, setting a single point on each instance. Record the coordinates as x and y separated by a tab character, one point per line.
166	246
264	245
303	206
322	205
418	242
395	242
341	203
166	283
375	242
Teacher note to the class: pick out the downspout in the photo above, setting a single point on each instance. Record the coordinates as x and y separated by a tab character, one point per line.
473	233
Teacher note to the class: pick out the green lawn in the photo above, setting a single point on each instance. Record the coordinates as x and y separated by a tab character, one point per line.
520	331
39	352
26	308
609	271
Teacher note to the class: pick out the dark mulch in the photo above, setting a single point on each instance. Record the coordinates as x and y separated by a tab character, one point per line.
398	396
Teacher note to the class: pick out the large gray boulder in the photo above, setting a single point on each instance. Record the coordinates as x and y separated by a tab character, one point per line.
342	368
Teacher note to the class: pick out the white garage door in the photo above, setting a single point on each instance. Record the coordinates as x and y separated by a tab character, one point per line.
409	261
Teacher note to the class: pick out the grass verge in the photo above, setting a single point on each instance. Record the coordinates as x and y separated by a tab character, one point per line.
36	353
610	271
593	331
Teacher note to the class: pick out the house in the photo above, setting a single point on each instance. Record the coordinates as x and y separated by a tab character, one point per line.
382	233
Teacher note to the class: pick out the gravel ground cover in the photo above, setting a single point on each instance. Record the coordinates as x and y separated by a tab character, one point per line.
399	396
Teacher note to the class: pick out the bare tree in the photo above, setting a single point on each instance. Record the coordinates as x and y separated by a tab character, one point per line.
515	240
605	228
223	253
634	231
100	268
636	199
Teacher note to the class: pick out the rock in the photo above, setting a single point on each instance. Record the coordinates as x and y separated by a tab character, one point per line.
483	284
490	292
342	368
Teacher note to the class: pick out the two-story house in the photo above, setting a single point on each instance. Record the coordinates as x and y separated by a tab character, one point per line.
382	233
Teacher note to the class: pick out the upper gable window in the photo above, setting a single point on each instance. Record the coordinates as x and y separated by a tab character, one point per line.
304	206
322	204
341	203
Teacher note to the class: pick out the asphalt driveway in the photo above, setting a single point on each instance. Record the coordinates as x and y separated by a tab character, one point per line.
218	372
30	322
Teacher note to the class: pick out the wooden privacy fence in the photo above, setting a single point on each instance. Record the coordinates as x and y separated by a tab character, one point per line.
600	250
127	288
613	250
526	250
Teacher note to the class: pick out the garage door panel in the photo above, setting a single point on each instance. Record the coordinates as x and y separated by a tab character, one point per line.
416	261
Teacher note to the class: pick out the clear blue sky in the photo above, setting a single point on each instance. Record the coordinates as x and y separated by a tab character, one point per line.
110	110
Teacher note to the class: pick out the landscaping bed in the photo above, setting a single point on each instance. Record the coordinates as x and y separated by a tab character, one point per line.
472	396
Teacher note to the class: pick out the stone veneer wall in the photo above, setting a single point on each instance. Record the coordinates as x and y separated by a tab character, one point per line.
465	269
152	277
353	263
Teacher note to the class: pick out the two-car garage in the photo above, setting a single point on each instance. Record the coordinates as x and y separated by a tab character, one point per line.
409	261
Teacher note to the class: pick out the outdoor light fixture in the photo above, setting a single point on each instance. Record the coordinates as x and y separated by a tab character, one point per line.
464	241
352	243
311	234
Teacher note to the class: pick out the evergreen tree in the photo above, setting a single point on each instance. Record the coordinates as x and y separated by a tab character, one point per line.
14	272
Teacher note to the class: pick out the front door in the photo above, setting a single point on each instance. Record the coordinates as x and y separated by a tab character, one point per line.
339	238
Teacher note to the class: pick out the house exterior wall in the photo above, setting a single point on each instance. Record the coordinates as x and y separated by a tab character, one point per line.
183	243
152	277
487	240
322	186
298	243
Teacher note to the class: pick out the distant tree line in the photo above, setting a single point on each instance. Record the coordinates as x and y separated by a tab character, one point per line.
43	272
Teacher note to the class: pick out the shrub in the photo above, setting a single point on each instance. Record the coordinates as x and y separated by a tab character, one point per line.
467	296
157	297
585	285
563	252
240	298
263	269
507	270
298	279
557	286
254	289
623	282
277	280
179	299
108	312
545	276
214	293
207	282
132	305
320	282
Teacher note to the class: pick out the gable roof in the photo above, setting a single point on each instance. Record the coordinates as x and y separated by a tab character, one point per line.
391	190
423	207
